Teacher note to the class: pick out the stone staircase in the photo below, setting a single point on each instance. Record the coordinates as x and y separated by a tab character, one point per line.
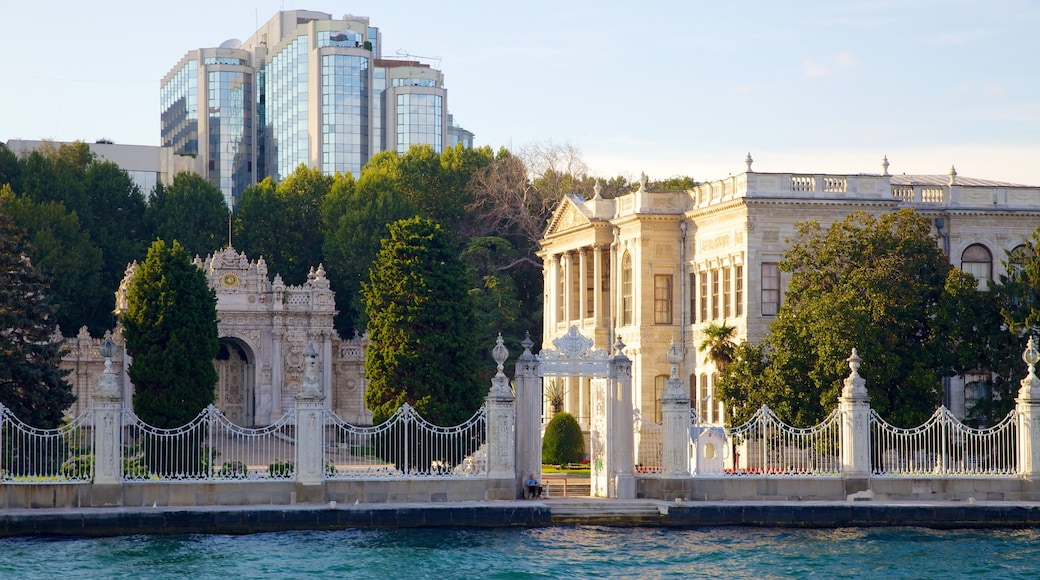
595	511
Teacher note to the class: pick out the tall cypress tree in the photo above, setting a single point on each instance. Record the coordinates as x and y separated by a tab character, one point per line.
32	383
422	327
170	328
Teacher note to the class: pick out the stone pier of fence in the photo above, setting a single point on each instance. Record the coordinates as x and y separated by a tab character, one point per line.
854	454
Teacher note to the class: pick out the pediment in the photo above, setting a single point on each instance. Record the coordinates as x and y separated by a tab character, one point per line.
569	215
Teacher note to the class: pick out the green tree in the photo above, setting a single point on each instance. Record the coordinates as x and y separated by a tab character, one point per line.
421	326
9	169
718	344
1018	289
63	252
170	328
190	210
32	383
563	442
874	284
283	223
355	217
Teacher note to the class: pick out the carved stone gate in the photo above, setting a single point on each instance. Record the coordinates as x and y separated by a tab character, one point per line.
611	438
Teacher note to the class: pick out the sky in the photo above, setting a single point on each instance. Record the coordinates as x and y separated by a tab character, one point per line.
680	87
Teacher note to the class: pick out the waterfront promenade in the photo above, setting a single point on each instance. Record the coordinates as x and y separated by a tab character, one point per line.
117	521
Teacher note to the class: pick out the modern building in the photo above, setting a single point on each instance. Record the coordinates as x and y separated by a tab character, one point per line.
653	267
304	88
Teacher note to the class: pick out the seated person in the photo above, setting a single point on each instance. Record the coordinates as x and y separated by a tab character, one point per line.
532	489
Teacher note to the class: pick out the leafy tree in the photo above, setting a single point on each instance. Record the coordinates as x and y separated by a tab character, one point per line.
192	211
563	442
1018	289
875	284
421	324
63	252
283	223
497	304
170	328
354	219
32	383
9	169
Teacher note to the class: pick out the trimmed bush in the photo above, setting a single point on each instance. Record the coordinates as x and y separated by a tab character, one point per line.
563	442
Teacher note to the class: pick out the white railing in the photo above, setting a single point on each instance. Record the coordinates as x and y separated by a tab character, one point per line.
835	184
903	193
931	195
30	456
648	445
803	183
209	448
765	445
944	446
405	445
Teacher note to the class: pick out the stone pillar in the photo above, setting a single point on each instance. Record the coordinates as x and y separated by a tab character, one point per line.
675	414
620	426
568	273
501	430
854	407
597	284
583	287
310	424
1027	407
528	415
108	405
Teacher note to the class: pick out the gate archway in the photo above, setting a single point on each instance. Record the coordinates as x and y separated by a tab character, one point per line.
235	394
610	424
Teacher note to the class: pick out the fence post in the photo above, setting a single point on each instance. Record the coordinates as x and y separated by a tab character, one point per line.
1027	408
310	424
675	416
621	443
528	408
108	406
854	406
501	431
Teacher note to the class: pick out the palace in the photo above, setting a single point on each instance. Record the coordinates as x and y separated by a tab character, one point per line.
651	267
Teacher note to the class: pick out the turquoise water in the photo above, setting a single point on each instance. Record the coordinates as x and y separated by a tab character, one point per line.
561	552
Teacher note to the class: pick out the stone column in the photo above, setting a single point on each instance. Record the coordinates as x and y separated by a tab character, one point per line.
501	431
675	414
597	284
310	424
583	292
620	427
528	415
1027	407
568	273
854	407
108	405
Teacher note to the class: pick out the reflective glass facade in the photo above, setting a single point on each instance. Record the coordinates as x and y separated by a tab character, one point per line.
344	113
419	121
179	110
230	164
378	106
285	92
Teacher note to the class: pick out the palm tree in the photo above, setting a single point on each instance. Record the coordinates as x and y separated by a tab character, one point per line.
718	344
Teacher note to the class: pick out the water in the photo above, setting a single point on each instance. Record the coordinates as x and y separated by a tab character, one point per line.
560	552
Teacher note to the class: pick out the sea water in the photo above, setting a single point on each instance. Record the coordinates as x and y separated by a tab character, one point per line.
555	552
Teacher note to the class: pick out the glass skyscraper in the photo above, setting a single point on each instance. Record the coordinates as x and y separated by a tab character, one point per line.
305	88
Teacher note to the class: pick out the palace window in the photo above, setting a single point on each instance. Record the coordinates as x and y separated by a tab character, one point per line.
715	294
977	261
704	296
561	291
738	289
626	289
726	280
590	283
770	288
663	299
703	395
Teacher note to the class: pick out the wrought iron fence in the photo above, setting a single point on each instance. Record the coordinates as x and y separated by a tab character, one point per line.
209	448
765	445
405	445
944	446
29	455
649	445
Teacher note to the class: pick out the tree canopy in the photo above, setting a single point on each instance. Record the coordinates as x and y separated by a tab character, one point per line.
421	326
32	384
170	328
190	210
880	285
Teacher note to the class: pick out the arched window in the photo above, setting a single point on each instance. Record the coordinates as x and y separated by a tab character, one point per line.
626	289
1017	257
977	261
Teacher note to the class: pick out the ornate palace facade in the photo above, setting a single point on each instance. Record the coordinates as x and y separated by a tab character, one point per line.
653	267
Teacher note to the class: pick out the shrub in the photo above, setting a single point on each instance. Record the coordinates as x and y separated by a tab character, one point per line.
563	441
233	470
281	469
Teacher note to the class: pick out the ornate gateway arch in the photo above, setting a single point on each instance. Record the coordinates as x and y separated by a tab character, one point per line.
611	438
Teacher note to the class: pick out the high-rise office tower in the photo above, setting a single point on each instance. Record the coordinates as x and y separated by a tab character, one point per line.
305	88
